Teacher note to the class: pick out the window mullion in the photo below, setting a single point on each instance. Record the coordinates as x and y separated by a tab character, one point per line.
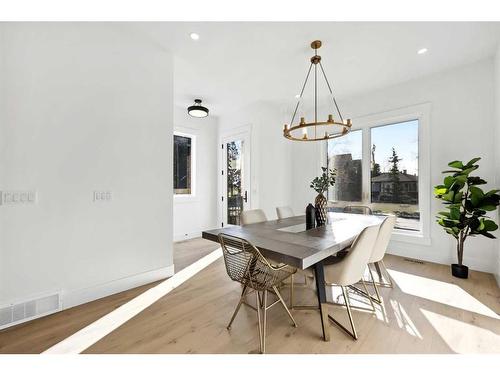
366	166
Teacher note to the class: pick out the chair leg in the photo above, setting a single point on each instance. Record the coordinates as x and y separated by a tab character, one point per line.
259	309
353	334
368	294
378	299
284	305
389	279
349	312
291	291
264	323
379	271
242	298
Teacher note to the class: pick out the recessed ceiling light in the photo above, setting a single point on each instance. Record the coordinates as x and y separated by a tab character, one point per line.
194	36
422	51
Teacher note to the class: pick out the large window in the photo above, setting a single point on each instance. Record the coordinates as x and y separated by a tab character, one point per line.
394	173
345	154
183	147
378	166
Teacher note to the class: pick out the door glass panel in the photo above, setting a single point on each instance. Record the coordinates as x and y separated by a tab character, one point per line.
344	154
182	165
394	173
234	181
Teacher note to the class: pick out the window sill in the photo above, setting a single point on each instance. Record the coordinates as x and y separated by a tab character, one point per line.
416	238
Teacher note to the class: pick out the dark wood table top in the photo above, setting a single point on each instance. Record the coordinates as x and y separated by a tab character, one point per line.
287	241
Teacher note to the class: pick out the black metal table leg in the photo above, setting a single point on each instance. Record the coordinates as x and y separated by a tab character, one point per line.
321	292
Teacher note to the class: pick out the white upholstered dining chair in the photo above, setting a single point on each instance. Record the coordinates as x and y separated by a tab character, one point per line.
350	271
347	272
284	212
253	217
379	250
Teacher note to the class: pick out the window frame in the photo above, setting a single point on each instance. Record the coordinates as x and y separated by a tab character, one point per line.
191	136
420	112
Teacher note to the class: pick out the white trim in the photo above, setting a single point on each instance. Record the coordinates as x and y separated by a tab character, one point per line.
77	297
188	197
186	236
420	112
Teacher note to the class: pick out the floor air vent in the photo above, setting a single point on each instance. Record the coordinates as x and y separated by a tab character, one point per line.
28	310
414	260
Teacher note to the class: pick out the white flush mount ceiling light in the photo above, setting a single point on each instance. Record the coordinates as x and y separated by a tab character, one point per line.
197	110
194	36
422	51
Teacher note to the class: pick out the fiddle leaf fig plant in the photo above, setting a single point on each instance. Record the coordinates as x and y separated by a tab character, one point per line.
320	184
466	204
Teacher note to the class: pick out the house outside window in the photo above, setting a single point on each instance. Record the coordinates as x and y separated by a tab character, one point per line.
381	164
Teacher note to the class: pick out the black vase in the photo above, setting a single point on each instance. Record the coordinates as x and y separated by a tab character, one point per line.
460	271
310	216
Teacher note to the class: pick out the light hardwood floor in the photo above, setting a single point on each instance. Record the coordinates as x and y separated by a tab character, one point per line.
428	311
38	335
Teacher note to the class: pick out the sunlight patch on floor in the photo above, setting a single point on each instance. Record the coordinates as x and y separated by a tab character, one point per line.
440	292
94	332
403	319
463	337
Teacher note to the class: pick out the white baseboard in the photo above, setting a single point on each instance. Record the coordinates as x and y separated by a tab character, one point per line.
78	297
429	255
186	236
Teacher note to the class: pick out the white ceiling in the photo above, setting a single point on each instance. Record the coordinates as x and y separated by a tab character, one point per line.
234	64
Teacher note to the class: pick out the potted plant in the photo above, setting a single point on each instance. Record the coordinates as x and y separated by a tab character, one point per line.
320	185
466	207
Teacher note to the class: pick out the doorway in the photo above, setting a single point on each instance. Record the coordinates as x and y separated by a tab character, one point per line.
235	177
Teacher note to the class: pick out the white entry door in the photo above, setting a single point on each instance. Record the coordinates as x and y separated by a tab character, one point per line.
235	177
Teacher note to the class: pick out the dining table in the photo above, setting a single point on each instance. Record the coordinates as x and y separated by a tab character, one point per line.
288	241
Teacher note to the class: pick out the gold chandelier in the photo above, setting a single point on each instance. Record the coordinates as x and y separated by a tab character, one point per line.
317	130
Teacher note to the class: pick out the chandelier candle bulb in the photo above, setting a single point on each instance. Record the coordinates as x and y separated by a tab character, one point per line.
330	118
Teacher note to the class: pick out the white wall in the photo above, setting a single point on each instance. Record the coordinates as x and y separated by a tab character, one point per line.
461	124
84	107
270	155
194	214
497	151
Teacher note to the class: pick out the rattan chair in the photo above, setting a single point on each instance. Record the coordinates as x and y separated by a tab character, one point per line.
365	210
246	265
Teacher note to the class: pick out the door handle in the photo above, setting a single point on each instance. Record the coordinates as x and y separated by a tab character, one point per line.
246	197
